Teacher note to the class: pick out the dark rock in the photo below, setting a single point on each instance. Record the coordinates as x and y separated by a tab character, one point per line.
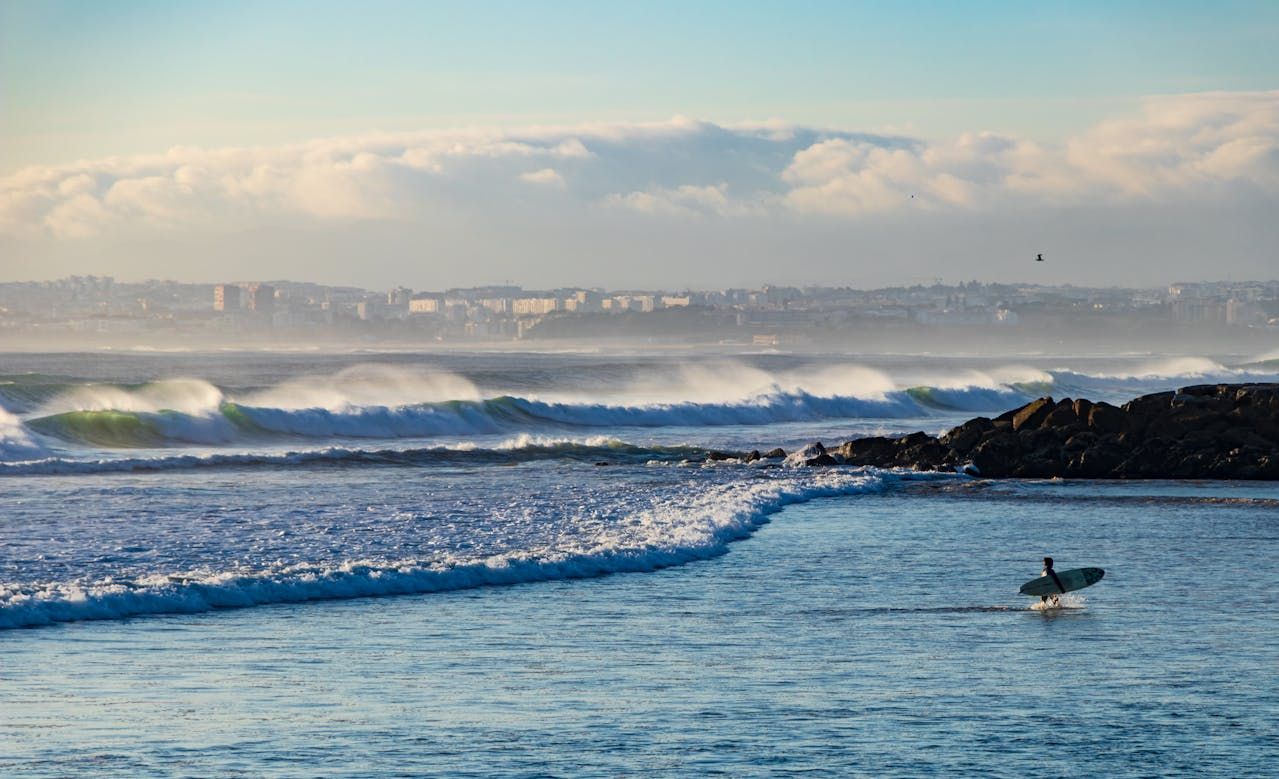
1095	462
720	456
1007	416
1257	393
996	456
1105	418
773	454
966	436
913	439
1032	414
1203	390
1213	431
821	459
1140	411
753	456
875	450
1079	442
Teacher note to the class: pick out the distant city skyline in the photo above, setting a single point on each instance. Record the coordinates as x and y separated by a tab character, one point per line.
702	146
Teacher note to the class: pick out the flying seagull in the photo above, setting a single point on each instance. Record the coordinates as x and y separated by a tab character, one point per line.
1039	258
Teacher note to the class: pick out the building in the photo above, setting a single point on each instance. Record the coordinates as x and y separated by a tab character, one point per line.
534	306
1197	310
227	297
426	304
496	305
583	300
261	298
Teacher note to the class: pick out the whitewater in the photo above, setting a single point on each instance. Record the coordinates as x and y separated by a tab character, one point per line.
510	564
137	487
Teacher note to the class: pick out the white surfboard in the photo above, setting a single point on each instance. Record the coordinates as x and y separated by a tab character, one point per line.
1075	579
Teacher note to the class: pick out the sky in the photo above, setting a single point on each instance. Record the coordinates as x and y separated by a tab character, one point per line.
700	144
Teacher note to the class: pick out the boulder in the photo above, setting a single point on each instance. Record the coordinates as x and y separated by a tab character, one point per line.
1032	414
810	452
1105	418
1063	416
995	456
966	436
1214	431
875	450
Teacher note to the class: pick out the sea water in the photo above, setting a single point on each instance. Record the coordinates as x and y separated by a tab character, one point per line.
381	564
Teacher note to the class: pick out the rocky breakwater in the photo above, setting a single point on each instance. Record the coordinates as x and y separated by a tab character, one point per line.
1212	431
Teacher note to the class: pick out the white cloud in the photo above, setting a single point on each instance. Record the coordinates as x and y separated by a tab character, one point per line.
1183	149
545	176
1196	147
686	201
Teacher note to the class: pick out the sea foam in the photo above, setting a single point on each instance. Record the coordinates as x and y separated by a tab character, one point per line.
670	531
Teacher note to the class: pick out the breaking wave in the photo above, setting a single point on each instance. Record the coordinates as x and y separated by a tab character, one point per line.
230	422
378	402
672	531
16	442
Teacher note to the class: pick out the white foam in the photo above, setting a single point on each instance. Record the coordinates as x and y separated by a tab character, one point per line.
16	442
1069	600
670	531
359	386
1172	367
186	396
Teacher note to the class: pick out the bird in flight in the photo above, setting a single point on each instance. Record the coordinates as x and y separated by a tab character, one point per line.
1039	258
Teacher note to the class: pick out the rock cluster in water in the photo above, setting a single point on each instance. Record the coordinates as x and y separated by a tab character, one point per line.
1211	431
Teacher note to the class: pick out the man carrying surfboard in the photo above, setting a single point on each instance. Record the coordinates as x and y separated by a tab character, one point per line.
1048	571
1051	584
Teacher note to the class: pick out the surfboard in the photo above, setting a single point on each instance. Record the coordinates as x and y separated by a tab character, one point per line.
1075	579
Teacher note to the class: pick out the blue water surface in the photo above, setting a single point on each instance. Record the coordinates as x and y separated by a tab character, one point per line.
871	635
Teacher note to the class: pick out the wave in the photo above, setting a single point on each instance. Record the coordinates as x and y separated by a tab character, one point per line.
385	403
16	442
671	532
519	450
232	422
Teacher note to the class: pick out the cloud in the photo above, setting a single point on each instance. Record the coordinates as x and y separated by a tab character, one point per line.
1200	148
1190	147
544	176
688	200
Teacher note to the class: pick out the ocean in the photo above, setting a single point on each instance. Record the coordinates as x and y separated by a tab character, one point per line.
521	563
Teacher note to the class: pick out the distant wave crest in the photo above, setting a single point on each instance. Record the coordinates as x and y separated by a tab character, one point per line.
231	422
387	404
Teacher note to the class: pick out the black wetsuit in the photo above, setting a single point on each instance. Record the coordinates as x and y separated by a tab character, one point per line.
1060	589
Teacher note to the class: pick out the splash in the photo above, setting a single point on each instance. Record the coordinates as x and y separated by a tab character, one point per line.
15	442
1065	602
1173	367
365	386
186	396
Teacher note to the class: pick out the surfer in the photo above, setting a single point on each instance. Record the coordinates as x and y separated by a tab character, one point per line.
1048	571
